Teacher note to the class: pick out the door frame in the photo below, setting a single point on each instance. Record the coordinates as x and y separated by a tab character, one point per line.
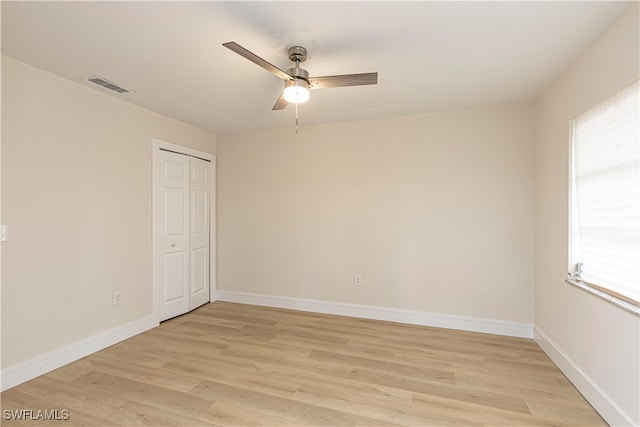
156	206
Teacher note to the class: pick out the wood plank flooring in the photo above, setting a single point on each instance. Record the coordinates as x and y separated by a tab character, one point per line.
230	364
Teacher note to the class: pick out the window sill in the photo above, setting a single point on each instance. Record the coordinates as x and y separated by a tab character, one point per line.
627	306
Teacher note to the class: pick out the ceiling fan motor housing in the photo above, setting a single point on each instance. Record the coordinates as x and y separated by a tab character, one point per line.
298	73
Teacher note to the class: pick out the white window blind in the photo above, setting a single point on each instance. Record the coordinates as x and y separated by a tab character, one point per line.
605	196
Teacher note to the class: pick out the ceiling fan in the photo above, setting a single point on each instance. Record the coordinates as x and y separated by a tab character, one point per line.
297	82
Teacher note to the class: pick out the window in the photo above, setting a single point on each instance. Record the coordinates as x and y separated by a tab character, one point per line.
604	223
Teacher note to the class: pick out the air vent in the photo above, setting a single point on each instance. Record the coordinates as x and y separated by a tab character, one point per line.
107	84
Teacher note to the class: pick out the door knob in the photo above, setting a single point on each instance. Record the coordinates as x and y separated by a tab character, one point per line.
173	245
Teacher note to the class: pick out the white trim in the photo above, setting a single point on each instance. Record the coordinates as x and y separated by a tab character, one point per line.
473	324
611	413
40	365
156	145
622	304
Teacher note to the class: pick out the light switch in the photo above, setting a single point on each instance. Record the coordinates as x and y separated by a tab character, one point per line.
4	233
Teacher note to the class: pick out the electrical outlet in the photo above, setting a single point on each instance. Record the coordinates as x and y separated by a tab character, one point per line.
357	279
117	298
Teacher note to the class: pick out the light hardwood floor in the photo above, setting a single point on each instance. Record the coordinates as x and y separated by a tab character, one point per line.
238	365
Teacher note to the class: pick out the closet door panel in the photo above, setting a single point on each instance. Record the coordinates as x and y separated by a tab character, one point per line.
174	238
200	184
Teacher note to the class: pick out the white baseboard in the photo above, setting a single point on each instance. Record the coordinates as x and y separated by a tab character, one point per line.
601	403
472	324
25	371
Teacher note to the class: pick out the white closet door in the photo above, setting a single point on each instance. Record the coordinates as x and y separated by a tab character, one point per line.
199	232
174	235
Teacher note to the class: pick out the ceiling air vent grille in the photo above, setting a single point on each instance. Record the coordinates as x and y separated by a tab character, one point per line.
107	84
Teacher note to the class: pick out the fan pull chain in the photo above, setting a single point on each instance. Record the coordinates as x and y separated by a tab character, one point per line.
296	118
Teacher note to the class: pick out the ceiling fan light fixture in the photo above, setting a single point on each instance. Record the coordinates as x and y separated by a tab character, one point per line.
296	91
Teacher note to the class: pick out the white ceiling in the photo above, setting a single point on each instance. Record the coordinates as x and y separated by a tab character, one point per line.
429	55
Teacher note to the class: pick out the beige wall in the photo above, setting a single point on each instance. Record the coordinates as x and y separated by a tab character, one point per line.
76	189
435	211
599	339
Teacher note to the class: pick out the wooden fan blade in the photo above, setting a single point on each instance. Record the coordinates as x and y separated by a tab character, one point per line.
257	60
343	80
281	103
